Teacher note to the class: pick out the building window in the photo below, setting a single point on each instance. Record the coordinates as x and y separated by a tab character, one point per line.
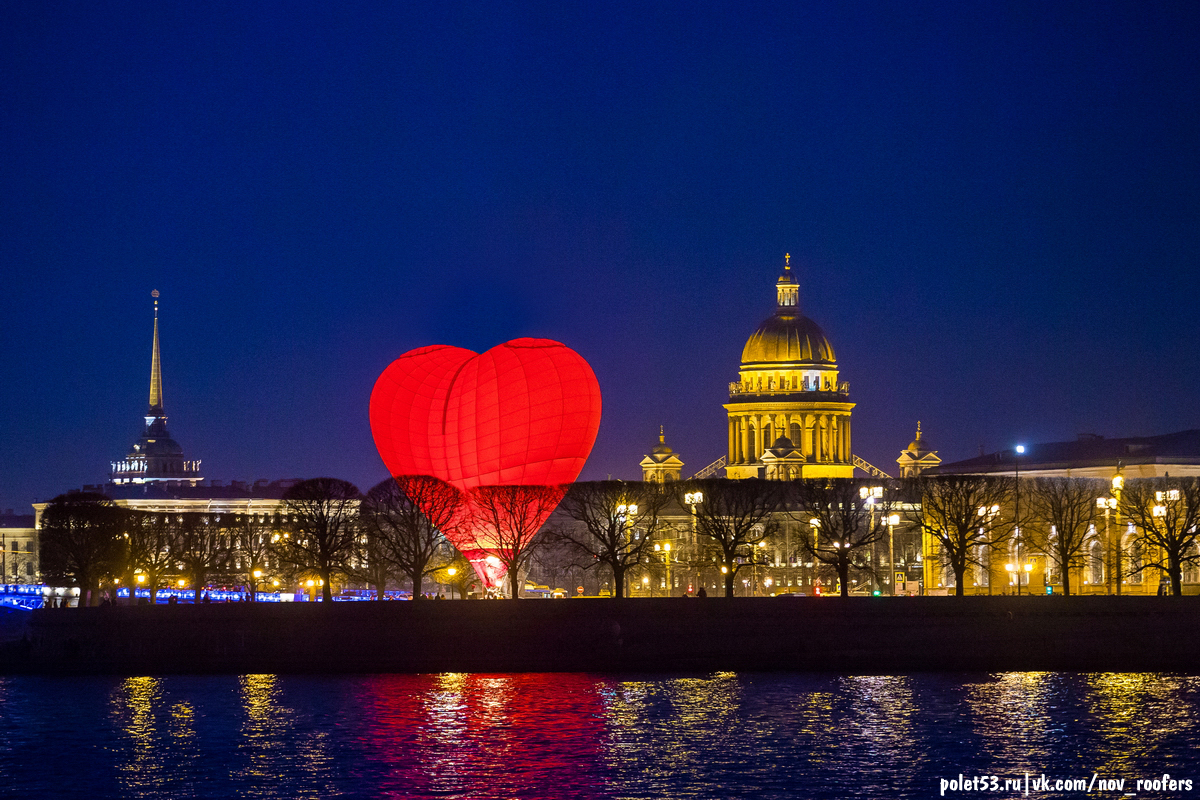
1135	562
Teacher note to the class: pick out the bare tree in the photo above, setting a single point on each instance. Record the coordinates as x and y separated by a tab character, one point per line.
250	536
321	529
612	523
151	539
963	514
1064	512
1166	512
507	522
201	549
846	522
372	562
81	542
734	516
407	517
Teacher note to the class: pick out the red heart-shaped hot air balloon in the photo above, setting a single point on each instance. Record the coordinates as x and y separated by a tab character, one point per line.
525	412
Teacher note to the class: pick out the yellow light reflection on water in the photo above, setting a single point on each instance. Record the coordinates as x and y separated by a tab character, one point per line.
264	726
677	722
132	711
880	712
1134	712
1011	713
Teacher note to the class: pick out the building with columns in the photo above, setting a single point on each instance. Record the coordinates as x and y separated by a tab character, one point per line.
789	413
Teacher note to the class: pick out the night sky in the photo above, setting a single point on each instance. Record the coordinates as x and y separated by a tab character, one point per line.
992	210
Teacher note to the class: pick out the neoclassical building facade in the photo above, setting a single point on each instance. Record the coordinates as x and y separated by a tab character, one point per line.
789	412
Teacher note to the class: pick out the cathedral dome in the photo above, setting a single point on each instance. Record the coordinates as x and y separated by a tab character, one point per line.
788	336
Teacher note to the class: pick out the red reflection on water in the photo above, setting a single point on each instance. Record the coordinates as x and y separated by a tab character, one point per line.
527	736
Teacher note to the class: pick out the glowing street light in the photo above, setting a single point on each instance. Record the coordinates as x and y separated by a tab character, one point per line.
892	521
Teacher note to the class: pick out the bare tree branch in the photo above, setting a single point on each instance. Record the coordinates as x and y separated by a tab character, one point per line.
616	523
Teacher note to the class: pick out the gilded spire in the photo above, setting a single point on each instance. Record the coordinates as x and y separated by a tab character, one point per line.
155	364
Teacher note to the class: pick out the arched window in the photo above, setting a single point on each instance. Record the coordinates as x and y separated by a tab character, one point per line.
1136	561
1096	562
982	577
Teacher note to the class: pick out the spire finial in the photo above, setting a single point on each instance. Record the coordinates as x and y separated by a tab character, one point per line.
662	437
787	260
155	364
918	430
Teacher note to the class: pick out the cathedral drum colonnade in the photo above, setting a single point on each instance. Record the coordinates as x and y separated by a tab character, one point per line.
789	414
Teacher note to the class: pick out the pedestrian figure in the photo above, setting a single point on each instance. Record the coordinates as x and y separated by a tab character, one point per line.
701	592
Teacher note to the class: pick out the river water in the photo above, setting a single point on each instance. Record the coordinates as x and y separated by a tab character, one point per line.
527	736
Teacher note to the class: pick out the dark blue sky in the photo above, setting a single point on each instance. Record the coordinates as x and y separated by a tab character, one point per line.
993	211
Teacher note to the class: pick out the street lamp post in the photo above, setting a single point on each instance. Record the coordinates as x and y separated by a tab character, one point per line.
987	515
693	499
892	521
869	495
1118	483
1108	504
624	512
665	549
1017	497
1020	449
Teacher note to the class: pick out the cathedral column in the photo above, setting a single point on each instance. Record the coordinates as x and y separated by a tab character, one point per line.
744	434
730	451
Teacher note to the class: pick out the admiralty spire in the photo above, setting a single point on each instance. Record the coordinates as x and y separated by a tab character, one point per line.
156	457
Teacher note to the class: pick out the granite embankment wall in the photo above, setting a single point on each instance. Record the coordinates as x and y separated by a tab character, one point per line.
855	635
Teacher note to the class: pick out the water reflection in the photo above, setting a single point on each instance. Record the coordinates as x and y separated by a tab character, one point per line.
263	730
526	736
583	736
133	716
1141	718
1011	715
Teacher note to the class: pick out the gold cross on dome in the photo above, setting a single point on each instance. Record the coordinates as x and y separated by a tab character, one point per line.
787	259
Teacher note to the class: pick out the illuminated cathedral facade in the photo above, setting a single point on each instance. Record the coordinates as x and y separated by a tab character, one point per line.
789	410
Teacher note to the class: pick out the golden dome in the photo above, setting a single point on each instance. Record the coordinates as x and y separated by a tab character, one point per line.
788	337
917	445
